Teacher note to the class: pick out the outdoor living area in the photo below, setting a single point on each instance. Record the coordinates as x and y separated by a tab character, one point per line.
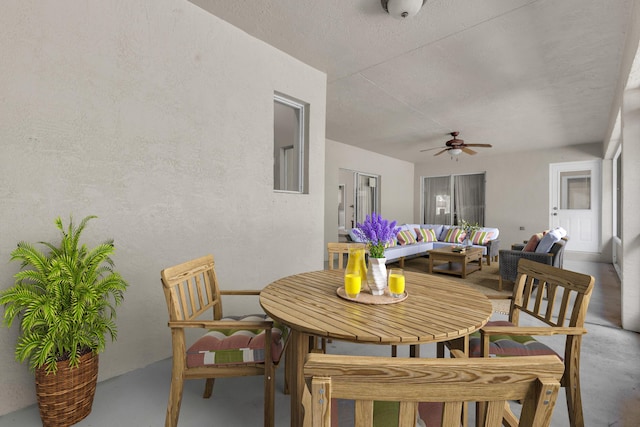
609	395
159	117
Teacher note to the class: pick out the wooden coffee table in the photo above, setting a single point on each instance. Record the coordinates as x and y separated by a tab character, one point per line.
457	263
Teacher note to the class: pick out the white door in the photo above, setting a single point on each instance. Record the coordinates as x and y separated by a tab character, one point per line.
575	198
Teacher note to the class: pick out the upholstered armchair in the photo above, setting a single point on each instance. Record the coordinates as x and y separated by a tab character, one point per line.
509	259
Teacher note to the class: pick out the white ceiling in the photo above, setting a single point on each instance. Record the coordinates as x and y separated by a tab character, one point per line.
518	74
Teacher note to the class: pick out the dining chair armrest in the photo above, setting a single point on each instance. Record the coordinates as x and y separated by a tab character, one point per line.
458	354
221	324
499	296
240	292
531	330
508	255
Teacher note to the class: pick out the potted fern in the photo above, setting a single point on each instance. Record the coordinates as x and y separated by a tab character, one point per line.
65	300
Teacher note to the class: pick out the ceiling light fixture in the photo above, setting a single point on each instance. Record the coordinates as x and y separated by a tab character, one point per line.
455	151
401	9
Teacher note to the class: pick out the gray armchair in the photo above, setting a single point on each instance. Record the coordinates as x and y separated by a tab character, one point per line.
509	259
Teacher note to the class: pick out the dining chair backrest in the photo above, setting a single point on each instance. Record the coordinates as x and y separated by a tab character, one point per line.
410	381
191	289
551	295
339	254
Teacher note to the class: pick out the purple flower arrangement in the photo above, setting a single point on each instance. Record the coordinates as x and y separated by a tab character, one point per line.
377	232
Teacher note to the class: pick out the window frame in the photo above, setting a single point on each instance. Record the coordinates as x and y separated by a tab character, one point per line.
454	210
300	146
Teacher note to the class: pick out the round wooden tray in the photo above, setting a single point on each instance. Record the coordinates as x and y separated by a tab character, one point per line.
365	297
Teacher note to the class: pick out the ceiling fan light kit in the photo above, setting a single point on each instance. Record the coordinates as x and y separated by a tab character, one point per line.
401	9
456	146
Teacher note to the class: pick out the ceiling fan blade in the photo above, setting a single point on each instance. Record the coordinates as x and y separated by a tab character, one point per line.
478	145
468	151
429	149
440	152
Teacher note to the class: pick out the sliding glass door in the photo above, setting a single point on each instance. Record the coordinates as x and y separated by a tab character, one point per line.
453	198
367	192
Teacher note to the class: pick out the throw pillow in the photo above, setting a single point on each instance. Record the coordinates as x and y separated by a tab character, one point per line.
391	243
479	237
405	237
355	237
426	235
550	239
435	227
455	235
533	242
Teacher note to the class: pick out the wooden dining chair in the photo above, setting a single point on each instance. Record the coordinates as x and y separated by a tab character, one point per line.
338	257
432	389
230	347
546	301
339	254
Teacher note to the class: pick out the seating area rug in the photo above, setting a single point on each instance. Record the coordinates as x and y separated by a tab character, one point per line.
485	281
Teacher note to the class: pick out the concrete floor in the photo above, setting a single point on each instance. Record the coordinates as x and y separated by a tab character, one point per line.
610	380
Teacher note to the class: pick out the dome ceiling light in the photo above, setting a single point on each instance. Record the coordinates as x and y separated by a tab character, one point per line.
401	9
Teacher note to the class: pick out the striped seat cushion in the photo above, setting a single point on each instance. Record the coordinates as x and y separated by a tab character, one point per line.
506	345
385	413
236	346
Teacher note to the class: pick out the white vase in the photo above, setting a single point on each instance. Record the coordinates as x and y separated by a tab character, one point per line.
377	275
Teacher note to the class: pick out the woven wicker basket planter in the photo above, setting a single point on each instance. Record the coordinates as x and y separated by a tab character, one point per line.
66	397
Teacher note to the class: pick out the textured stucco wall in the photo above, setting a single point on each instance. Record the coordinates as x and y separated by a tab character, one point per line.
157	117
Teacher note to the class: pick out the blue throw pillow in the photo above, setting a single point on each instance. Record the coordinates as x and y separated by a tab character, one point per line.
548	240
355	237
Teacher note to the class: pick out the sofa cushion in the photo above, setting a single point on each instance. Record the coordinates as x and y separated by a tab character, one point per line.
426	235
454	235
495	231
549	239
479	237
236	346
533	242
397	252
405	237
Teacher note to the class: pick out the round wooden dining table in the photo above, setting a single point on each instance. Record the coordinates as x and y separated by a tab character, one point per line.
436	309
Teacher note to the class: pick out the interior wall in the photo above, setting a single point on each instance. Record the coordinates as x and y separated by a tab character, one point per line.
396	180
630	208
157	117
517	189
626	132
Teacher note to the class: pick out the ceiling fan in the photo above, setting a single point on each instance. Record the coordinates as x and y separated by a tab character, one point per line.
456	146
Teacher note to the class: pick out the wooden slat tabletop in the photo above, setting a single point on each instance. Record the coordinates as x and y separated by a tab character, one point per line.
436	309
